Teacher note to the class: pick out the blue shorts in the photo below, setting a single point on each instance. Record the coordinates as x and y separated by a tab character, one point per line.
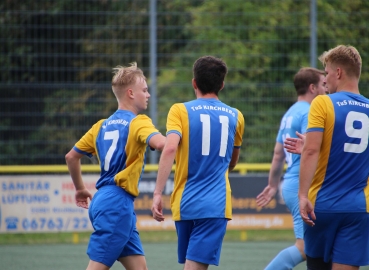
114	221
292	202
200	240
340	237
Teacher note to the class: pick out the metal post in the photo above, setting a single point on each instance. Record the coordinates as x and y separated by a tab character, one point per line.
153	73
313	34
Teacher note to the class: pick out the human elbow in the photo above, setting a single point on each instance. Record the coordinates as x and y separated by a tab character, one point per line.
309	151
231	167
68	158
157	142
160	145
170	150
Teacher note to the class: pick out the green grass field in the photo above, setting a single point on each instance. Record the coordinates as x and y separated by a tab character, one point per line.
146	236
159	256
246	250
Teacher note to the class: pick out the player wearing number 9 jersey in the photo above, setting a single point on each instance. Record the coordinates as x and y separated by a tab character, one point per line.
334	187
204	137
120	144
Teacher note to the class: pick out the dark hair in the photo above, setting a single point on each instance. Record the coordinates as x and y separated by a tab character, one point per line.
304	77
209	73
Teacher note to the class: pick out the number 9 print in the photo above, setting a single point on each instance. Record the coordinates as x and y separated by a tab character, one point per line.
361	133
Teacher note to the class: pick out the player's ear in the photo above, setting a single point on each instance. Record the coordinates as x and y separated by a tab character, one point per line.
194	85
339	71
130	93
312	88
222	86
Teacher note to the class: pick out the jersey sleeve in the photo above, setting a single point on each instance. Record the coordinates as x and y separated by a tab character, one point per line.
304	122
239	130
279	135
317	114
174	123
143	129
86	145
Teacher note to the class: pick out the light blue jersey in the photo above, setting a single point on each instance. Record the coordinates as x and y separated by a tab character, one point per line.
295	119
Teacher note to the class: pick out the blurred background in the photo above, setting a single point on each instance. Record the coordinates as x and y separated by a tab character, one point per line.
56	62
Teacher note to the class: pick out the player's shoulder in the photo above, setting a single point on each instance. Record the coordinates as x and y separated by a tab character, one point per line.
298	109
141	118
99	123
176	107
180	104
322	99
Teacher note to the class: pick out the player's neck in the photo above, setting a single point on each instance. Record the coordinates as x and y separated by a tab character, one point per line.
127	107
209	95
305	98
348	86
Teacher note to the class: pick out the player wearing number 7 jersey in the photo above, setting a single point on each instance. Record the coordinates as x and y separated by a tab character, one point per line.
309	83
204	137
120	144
334	187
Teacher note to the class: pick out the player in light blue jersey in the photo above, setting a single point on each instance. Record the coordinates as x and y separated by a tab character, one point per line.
204	137
334	169
309	83
120	144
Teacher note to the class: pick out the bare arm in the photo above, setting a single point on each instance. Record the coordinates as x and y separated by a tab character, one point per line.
275	175
157	142
234	159
165	168
308	164
73	160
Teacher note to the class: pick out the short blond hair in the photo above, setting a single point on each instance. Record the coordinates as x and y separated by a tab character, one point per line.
346	56
125	76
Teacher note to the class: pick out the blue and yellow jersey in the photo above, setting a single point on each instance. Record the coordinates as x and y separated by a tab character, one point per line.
295	119
120	144
209	131
340	183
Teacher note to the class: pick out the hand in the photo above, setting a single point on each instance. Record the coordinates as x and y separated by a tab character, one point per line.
266	196
307	211
82	197
294	145
157	208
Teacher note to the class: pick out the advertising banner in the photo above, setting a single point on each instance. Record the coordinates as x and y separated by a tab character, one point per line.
45	203
42	203
246	214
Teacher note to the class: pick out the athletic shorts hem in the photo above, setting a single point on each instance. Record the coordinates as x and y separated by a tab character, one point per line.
201	261
104	262
351	263
132	254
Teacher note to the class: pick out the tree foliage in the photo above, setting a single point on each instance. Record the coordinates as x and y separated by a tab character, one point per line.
57	59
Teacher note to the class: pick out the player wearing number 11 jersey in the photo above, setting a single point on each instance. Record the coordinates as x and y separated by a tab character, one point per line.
204	137
334	168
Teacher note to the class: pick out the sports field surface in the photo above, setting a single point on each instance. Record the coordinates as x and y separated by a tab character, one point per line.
242	250
160	256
